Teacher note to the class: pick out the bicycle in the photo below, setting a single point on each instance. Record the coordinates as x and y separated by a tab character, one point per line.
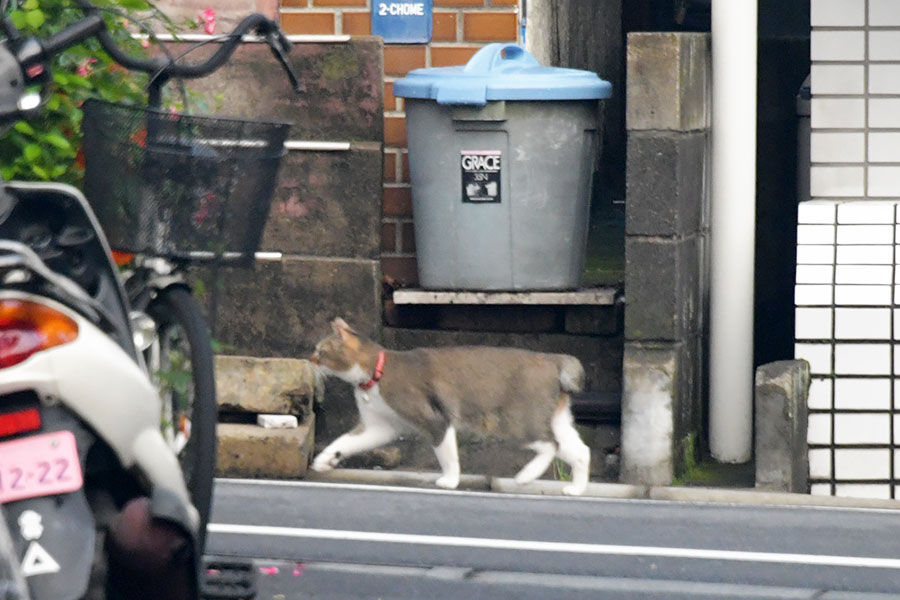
171	190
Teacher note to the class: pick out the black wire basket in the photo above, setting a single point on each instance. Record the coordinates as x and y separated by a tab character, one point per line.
179	186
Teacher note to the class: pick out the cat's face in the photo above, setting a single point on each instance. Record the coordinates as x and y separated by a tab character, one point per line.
339	352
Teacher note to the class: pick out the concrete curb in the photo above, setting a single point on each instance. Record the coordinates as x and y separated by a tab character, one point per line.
613	491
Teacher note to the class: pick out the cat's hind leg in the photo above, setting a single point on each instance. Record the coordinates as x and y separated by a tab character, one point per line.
361	439
541	461
448	457
571	449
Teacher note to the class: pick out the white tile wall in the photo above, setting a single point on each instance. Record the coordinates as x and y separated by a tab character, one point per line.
851	233
883	147
884	113
838	113
838	147
838	79
837	182
883	13
838	45
838	13
884	45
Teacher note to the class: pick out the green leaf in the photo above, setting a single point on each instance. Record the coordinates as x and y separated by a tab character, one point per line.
58	171
54	102
18	18
35	18
40	172
24	127
58	141
8	172
30	4
32	151
134	4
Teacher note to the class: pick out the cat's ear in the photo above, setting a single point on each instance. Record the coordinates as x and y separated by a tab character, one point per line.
339	325
346	333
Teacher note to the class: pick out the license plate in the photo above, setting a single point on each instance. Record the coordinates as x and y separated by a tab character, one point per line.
41	465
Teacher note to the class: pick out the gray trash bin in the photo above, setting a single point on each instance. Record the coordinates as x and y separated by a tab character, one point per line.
501	154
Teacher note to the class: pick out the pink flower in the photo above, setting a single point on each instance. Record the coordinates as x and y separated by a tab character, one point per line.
145	43
84	69
208	19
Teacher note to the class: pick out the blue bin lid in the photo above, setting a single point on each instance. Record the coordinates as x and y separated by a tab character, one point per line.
501	72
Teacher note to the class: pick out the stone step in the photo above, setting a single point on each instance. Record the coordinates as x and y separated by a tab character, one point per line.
275	386
254	452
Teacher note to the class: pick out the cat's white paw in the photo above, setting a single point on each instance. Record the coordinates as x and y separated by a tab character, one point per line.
323	463
448	482
573	490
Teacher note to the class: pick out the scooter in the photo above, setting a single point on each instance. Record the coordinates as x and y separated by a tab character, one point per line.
94	503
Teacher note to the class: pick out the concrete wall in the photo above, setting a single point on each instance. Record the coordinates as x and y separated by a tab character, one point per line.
326	214
667	231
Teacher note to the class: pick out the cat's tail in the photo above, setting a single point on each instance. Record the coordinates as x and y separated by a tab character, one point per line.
571	374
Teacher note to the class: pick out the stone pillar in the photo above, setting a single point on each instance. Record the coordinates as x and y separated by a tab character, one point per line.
666	236
782	457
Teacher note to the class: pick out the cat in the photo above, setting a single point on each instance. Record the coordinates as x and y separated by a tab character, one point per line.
519	394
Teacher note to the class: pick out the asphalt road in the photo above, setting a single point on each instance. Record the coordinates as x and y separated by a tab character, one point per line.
318	540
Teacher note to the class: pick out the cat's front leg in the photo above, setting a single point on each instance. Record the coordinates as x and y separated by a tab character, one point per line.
360	439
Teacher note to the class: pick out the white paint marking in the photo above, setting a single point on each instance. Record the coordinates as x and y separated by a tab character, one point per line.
558	547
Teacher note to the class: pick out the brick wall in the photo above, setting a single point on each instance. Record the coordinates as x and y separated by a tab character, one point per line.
461	27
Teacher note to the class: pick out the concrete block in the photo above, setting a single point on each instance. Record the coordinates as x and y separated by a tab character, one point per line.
328	204
668	81
283	309
782	455
665	183
280	386
343	91
649	402
254	452
662	279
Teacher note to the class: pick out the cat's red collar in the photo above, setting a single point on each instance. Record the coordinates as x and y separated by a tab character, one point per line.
376	377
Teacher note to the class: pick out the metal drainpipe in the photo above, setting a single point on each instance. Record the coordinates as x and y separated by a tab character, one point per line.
733	219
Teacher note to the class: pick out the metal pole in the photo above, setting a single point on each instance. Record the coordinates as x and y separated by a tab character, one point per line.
733	218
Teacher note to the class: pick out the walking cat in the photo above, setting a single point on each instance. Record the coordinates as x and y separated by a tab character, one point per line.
518	394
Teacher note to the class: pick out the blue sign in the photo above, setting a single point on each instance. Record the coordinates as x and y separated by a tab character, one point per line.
402	21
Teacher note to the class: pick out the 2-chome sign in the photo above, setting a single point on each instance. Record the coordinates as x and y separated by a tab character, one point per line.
402	21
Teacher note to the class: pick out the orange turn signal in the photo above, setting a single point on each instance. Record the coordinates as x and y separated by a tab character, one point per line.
28	327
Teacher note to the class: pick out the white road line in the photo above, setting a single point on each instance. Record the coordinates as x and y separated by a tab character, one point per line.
558	547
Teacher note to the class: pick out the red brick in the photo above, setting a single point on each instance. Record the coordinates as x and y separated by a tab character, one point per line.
339	3
294	3
397	202
390	167
459	2
388	237
404	168
408	237
308	23
390	101
444	27
395	131
400	60
504	2
490	27
356	23
449	56
400	269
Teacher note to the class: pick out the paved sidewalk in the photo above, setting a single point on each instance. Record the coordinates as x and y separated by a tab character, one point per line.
601	490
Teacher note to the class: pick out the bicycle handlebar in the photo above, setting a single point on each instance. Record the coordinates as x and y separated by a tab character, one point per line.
94	25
